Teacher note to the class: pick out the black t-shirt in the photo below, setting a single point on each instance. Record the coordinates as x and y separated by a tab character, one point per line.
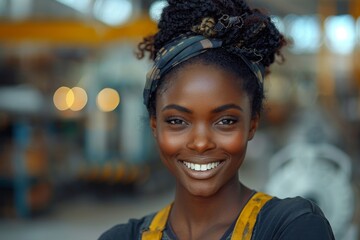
280	219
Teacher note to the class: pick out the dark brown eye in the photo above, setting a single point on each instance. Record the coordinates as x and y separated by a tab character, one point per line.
176	121
227	121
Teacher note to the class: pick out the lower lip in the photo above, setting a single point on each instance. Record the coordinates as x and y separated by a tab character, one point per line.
201	175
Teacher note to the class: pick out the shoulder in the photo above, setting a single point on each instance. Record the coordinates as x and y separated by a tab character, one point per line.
127	231
291	207
292	218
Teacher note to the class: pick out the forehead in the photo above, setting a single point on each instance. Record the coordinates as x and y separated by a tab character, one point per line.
201	82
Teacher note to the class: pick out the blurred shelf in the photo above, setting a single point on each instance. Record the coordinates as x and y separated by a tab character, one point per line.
10	181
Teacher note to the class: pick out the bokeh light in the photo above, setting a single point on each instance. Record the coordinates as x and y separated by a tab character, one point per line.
74	99
113	12
305	32
156	9
60	98
340	34
79	98
108	99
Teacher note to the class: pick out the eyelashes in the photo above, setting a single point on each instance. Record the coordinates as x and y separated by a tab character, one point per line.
175	121
223	122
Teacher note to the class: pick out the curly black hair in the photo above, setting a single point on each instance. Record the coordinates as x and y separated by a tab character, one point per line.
257	36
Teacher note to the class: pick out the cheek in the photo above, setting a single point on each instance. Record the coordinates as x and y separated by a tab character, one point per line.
169	144
234	144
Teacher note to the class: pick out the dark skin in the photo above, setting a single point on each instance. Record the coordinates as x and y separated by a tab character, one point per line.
204	118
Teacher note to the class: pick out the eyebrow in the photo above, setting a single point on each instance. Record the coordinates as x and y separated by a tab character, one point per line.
216	110
227	107
176	107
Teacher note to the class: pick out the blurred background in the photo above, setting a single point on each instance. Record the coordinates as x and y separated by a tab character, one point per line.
76	153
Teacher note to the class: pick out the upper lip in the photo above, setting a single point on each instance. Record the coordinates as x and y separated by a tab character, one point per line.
202	159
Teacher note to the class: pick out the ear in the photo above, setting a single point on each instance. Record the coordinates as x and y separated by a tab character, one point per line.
153	125
254	123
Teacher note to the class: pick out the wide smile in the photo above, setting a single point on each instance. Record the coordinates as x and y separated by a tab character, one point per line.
201	167
201	171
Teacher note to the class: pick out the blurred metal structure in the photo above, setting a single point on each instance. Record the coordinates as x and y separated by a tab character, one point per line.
315	162
319	172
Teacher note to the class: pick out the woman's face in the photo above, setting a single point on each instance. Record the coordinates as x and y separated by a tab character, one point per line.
202	126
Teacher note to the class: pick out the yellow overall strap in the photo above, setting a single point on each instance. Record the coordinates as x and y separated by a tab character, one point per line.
243	228
157	225
246	221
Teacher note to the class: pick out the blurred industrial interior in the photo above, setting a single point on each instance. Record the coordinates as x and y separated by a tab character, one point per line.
76	153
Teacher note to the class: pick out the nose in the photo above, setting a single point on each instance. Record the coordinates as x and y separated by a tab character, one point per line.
201	139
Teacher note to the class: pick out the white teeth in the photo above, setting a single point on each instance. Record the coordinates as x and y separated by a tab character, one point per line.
197	167
201	167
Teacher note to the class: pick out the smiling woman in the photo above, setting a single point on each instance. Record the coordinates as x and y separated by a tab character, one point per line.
199	125
204	96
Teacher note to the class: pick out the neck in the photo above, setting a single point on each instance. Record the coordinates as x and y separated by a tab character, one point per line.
220	209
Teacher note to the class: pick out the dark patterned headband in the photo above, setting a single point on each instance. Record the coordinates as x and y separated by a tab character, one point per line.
181	50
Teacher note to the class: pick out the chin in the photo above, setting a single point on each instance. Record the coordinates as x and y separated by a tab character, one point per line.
201	190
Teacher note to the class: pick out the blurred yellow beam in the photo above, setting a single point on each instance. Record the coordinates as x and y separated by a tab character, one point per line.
355	12
325	75
355	8
73	32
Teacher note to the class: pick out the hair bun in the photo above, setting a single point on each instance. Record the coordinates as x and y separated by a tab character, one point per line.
232	21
